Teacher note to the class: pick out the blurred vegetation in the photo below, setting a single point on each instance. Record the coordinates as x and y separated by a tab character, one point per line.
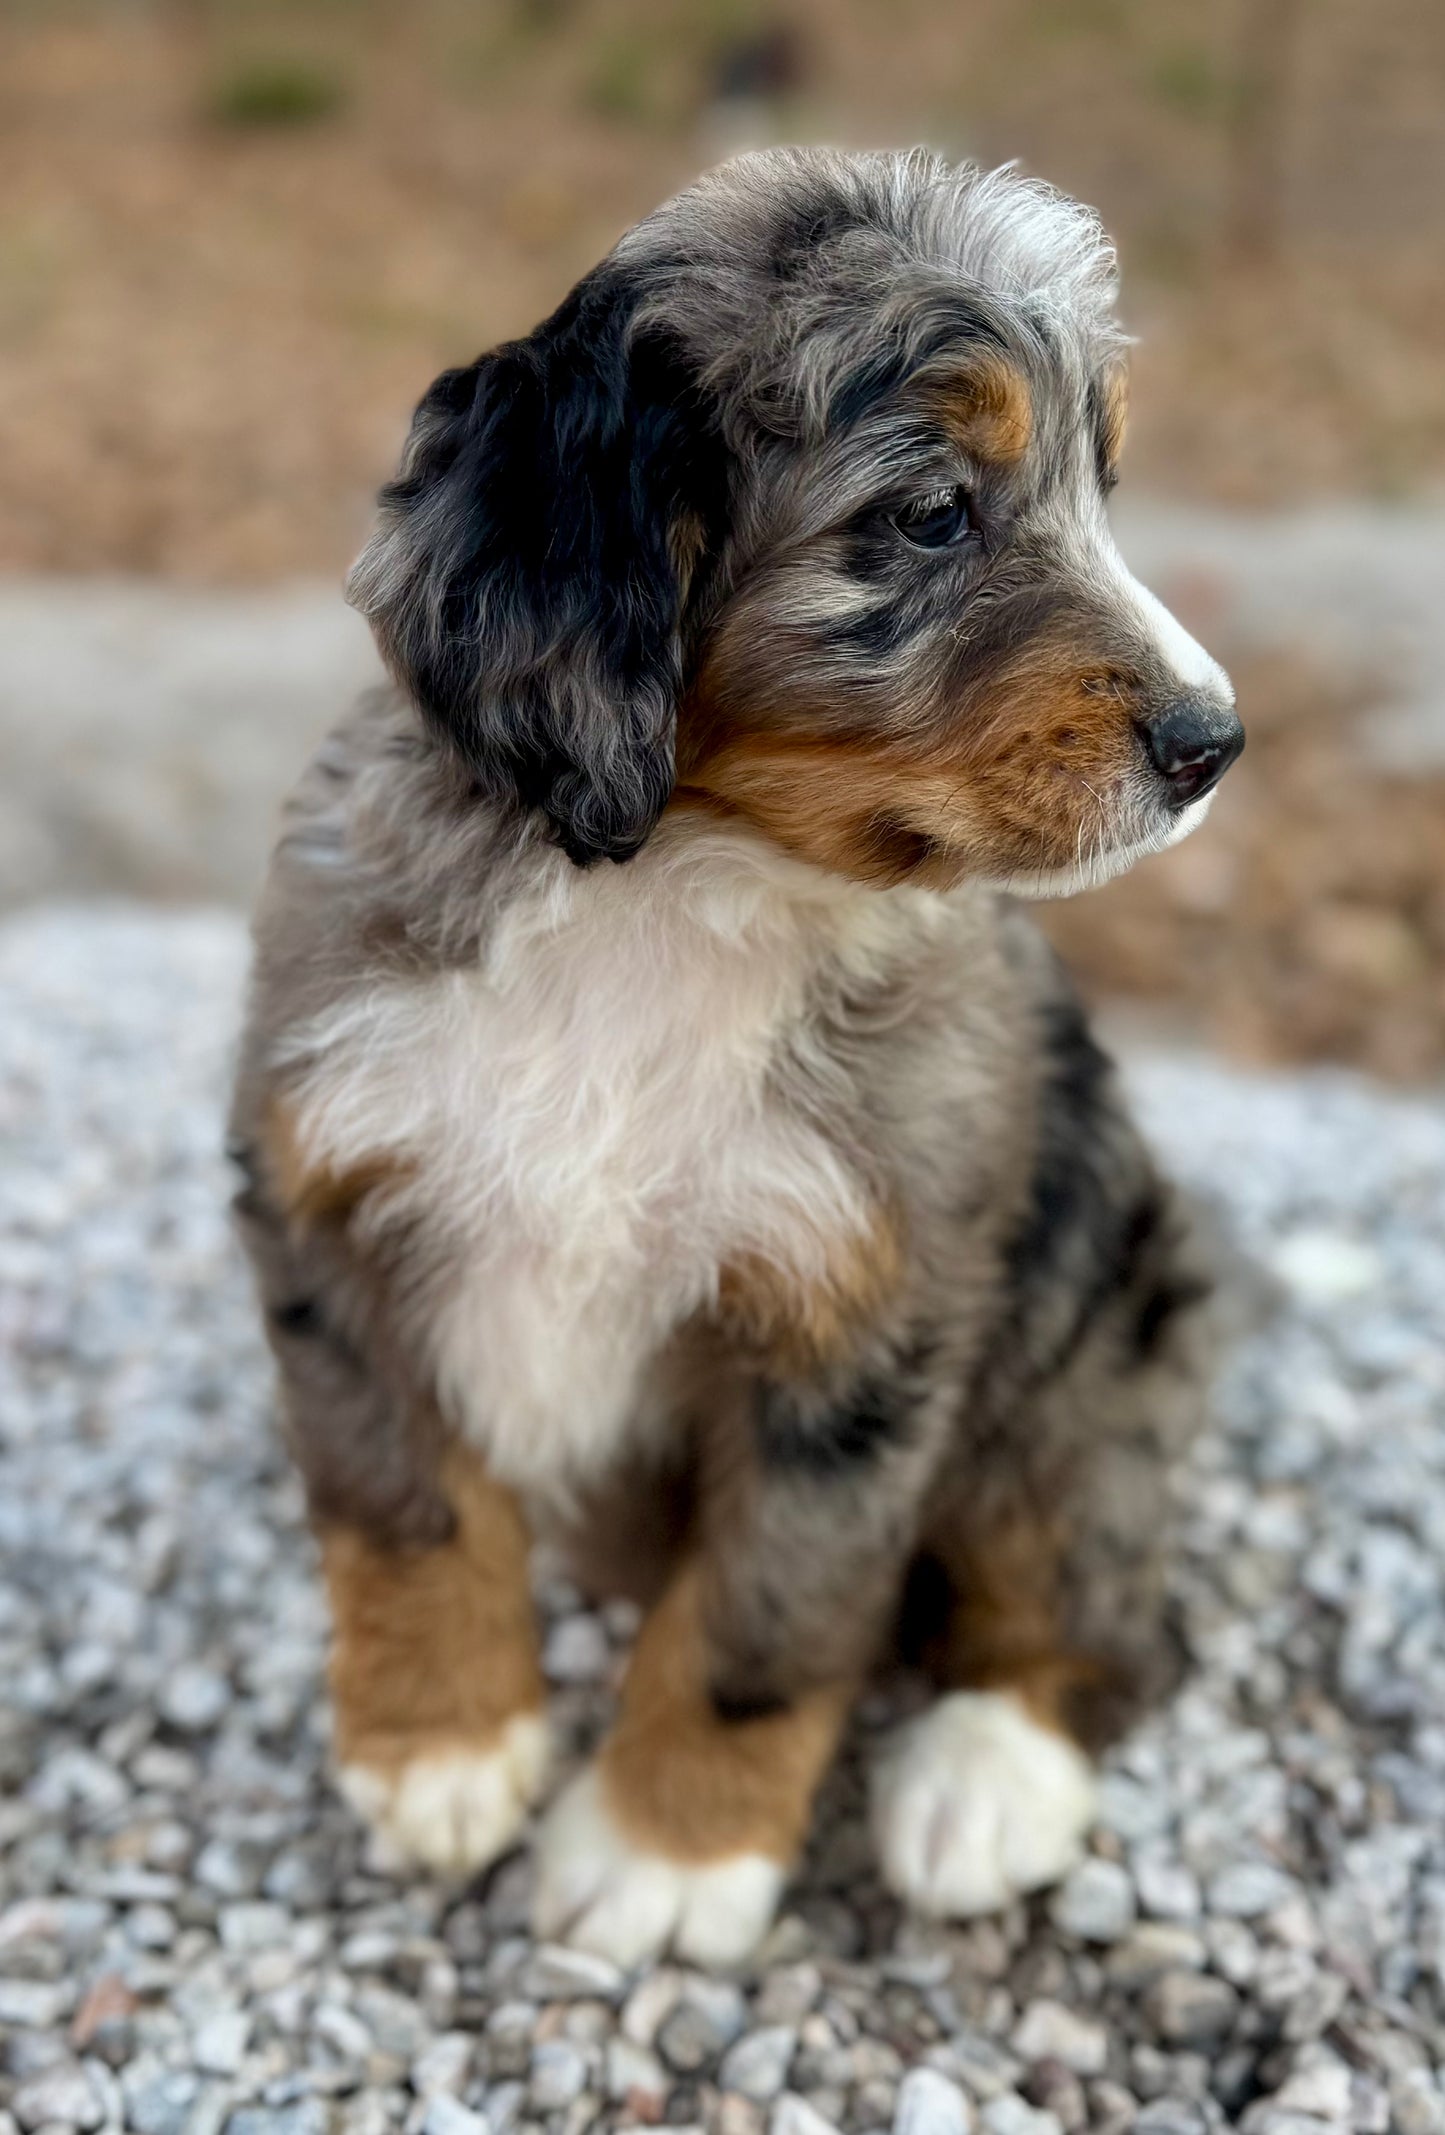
275	92
237	236
1189	79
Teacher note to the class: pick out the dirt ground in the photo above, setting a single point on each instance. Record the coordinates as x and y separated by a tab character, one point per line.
237	238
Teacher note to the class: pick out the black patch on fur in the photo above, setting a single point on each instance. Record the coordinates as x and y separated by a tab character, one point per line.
302	1316
871	550
839	1438
523	584
943	318
924	1609
1162	1304
827	1443
878	632
805	229
735	1707
242	1153
1028	607
1098	425
1078	1073
894	847
1093	1232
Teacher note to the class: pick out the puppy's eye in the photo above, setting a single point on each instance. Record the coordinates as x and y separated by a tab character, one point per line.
936	521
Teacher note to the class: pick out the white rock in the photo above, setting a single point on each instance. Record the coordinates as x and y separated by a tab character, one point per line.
76	1777
928	2104
150	1927
1192	2009
651	2002
1009	2114
559	2074
1325	1267
1416	2106
1095	1901
343	2031
231	1871
635	2077
448	2116
1233	1950
577	1651
194	1698
1248	1889
366	2115
1047	2031
505	2106
444	2066
254	1924
1167	1889
788	1991
219	2045
62	2093
159	2101
793	2115
557	1974
722	2008
31	2003
758	2063
1324	2089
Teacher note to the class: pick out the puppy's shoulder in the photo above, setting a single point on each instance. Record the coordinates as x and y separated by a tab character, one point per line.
387	868
387	855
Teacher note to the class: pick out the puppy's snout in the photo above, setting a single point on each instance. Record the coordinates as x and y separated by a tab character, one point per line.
1192	743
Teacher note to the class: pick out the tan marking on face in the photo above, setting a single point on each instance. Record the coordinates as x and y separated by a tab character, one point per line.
845	808
684	1783
1116	412
686	545
987	410
1023	783
1044	756
434	1648
310	1192
799	1324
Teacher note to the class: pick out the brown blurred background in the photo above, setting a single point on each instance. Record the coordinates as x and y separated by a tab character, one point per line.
238	237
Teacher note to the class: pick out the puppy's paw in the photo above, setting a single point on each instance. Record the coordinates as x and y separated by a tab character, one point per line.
451	1808
976	1803
601	1892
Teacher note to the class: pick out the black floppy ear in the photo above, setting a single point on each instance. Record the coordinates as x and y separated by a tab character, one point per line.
526	579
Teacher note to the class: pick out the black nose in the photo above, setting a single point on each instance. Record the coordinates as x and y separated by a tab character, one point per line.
1193	743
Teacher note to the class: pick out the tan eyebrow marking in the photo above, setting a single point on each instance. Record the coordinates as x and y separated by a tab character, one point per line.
987	409
1116	413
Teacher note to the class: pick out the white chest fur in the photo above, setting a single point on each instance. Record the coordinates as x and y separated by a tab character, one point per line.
592	1122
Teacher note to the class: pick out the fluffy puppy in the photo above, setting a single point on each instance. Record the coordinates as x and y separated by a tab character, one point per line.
664	1130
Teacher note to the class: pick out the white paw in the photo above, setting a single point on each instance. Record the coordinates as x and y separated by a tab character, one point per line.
599	1892
975	1803
452	1810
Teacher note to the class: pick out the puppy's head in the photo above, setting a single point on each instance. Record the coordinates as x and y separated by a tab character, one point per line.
797	504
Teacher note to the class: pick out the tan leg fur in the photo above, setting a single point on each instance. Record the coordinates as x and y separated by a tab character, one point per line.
435	1678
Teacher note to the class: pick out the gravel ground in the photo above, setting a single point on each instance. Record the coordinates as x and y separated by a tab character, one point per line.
192	1938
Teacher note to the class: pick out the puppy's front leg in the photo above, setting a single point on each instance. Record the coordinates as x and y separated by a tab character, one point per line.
437	1689
440	1737
682	1832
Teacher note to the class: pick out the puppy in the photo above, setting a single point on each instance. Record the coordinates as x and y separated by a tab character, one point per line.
664	1130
